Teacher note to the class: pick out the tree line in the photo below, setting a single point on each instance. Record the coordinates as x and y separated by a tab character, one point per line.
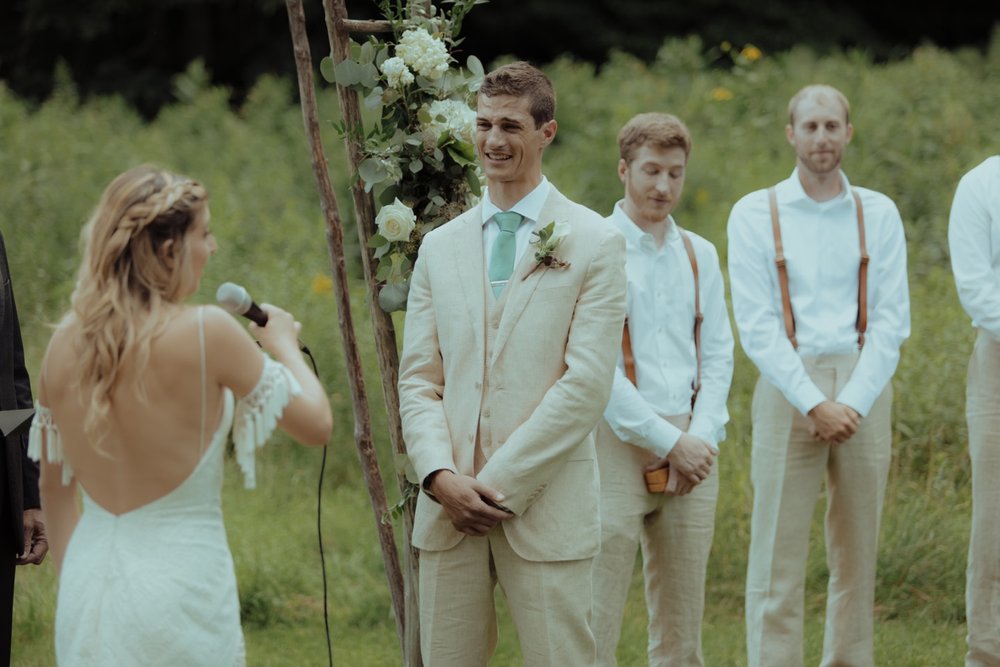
134	48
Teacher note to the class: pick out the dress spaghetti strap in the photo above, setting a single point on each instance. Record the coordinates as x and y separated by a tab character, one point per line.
201	350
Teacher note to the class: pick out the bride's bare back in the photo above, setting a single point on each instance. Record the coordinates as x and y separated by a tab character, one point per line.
150	444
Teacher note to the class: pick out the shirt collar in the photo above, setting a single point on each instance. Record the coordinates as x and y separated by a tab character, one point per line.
790	190
634	235
530	206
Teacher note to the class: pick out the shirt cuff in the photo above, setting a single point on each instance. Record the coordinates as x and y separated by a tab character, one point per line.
662	437
808	398
854	399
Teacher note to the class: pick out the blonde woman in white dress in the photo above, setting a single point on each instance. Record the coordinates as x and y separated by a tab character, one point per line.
136	398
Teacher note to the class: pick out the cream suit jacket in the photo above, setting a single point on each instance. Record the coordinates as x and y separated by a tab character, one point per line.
549	378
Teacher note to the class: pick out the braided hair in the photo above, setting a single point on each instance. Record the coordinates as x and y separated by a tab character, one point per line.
128	275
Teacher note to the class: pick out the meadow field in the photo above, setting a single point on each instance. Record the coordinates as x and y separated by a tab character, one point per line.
920	123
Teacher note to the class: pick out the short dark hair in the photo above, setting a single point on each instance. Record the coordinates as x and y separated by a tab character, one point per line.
522	79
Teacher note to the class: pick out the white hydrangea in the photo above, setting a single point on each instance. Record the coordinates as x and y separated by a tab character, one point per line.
396	72
426	55
459	119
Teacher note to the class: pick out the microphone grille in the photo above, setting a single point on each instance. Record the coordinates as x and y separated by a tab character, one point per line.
233	298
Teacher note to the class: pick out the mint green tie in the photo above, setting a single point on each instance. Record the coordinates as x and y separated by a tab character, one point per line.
504	250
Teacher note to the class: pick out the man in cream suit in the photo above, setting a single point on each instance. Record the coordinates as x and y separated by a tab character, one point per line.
507	363
668	404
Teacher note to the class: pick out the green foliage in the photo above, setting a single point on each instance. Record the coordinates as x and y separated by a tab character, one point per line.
417	144
920	123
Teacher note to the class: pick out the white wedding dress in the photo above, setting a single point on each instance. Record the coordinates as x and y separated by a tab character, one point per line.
156	585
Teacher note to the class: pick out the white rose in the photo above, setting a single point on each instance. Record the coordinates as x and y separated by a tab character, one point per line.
395	221
425	54
396	72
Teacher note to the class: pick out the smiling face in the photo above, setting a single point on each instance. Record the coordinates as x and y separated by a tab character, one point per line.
654	180
510	146
819	131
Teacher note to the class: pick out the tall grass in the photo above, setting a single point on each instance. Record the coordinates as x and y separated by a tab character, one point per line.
919	124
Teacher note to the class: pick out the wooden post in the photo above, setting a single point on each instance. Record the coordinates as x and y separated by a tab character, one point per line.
338	30
359	398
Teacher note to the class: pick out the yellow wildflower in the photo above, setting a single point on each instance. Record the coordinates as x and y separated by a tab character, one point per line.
720	94
751	53
322	284
701	196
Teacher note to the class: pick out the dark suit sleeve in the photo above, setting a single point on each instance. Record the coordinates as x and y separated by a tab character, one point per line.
22	387
22	391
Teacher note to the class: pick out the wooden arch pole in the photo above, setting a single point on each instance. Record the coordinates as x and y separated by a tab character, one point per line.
362	418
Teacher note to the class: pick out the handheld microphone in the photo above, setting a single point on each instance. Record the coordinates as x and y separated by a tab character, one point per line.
237	301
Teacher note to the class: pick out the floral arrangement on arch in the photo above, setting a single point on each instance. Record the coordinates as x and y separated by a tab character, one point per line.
419	154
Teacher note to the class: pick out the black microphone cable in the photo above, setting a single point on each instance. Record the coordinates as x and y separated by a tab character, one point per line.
319	526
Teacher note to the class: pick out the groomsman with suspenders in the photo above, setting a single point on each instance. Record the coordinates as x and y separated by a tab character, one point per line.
668	405
817	269
974	238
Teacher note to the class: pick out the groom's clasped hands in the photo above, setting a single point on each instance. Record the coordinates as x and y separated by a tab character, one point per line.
472	506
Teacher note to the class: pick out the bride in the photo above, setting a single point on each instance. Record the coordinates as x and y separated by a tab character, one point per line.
136	398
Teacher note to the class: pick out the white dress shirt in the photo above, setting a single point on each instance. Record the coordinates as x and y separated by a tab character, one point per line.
530	208
660	307
975	259
820	241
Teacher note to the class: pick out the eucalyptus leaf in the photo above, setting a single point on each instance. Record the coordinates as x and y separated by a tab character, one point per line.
347	73
416	166
367	54
374	100
369	75
327	70
372	172
377	240
475	67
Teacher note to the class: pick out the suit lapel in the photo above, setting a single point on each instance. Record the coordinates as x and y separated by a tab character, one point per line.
470	272
522	285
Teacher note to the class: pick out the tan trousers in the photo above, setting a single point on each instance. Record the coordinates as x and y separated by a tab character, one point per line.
675	535
787	470
549	603
982	591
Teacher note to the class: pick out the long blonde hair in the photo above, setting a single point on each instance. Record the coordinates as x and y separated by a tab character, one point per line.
127	275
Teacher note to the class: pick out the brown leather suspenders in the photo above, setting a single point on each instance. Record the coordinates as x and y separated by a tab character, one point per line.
861	324
698	318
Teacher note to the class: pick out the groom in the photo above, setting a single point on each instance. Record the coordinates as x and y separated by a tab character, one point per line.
507	365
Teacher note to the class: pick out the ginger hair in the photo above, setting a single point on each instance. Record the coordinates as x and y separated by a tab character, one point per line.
662	130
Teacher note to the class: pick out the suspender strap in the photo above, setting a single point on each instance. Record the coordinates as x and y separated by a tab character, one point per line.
629	357
627	354
698	317
861	324
779	260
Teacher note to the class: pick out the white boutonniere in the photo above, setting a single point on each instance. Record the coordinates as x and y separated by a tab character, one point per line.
547	240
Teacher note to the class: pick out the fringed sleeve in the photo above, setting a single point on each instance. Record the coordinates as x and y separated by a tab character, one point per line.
258	413
43	428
